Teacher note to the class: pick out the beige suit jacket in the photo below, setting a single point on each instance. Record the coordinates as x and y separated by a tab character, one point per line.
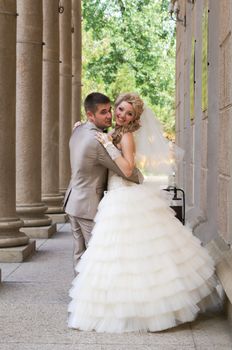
89	164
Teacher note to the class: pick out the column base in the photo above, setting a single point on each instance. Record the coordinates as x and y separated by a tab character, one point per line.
59	218
17	254
40	231
33	214
63	190
222	255
54	202
10	236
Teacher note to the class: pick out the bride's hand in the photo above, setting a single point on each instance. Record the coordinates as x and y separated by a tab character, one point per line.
76	125
106	141
103	138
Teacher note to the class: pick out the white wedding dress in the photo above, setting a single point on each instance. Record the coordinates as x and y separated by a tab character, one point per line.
143	270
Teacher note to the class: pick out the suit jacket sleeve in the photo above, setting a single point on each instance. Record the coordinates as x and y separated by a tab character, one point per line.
105	160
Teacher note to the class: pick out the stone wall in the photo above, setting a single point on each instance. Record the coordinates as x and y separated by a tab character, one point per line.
204	129
225	115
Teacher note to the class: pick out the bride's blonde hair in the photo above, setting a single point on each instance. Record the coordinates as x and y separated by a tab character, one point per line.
137	105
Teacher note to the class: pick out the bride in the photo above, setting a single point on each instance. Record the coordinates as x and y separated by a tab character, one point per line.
142	270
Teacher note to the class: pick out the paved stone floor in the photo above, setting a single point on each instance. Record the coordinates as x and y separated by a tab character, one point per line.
33	304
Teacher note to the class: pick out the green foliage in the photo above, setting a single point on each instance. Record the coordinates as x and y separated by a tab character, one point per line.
130	46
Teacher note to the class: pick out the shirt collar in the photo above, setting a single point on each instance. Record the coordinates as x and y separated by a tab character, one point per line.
92	126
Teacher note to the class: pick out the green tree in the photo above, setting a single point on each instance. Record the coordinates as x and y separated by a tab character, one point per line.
130	46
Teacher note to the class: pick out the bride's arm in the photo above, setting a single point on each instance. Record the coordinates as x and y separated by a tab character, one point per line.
125	159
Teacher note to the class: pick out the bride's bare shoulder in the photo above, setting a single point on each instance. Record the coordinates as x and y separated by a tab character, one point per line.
128	140
128	137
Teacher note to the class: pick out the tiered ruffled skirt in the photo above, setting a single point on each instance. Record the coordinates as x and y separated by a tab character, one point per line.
143	270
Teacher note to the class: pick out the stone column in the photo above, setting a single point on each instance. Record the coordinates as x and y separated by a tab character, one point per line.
188	133
28	121
50	112
65	94
195	215
76	60
209	229
10	236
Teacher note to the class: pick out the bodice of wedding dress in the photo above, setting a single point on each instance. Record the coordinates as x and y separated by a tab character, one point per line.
116	181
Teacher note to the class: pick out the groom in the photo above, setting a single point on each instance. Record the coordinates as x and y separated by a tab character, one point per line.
89	163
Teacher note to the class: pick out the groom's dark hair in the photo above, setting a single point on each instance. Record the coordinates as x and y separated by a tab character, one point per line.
93	99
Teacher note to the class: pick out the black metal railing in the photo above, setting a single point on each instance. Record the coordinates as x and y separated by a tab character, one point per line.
178	196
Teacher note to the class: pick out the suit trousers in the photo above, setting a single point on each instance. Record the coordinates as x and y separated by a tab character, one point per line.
81	230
